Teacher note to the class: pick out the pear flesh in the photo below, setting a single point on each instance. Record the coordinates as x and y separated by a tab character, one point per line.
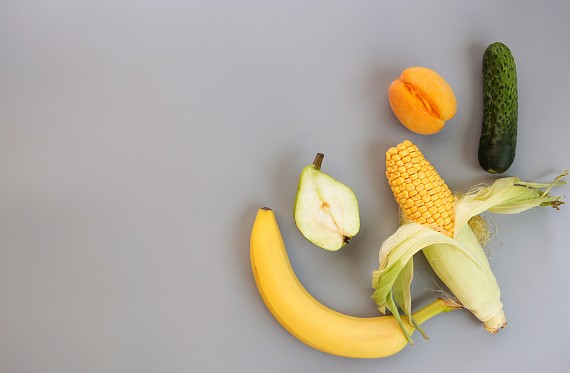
326	210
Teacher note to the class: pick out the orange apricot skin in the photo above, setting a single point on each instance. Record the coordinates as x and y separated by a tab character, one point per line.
422	100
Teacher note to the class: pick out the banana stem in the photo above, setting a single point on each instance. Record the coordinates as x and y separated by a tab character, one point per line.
434	308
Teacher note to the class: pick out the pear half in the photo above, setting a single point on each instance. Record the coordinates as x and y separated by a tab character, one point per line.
326	211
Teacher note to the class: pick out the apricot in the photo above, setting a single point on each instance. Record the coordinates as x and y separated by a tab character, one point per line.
422	100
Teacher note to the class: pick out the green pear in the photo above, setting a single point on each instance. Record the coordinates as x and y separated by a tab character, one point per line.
326	211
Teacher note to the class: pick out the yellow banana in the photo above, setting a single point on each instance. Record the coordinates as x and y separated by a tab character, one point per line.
312	322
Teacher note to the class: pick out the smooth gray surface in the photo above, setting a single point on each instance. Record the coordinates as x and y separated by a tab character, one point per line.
138	139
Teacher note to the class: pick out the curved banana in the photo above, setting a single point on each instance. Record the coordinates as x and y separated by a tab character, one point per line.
312	322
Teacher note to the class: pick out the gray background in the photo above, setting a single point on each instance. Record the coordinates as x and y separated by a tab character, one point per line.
138	139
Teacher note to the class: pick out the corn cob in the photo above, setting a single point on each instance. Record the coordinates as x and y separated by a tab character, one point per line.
458	260
421	193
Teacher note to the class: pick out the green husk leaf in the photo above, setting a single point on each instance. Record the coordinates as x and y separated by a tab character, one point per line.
475	286
402	295
507	195
401	289
393	276
394	309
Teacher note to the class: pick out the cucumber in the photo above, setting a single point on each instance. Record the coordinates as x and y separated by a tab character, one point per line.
498	141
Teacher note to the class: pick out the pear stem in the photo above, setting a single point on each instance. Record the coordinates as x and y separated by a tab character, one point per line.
318	161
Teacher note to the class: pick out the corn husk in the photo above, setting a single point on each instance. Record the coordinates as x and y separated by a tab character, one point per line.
460	262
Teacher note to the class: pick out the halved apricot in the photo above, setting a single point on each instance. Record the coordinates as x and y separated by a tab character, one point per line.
422	100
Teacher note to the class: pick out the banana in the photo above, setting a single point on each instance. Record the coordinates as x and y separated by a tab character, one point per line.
309	320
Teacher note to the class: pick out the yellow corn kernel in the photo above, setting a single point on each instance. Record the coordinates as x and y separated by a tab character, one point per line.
419	190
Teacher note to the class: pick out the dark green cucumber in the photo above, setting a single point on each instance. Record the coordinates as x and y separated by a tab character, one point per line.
498	141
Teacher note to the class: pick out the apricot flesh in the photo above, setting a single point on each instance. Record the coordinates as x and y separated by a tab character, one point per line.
422	100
